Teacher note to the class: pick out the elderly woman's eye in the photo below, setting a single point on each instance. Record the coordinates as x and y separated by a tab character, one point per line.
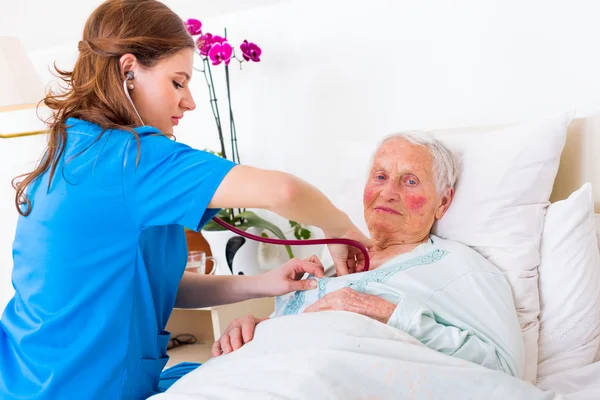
379	177
411	181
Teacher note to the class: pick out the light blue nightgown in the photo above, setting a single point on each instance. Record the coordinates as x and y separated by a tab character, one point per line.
448	296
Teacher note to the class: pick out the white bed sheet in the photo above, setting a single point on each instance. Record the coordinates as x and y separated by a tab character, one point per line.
578	384
338	355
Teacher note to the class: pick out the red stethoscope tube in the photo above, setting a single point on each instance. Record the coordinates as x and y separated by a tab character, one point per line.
347	242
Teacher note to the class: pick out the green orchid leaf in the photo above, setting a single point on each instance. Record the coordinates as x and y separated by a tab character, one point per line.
245	220
253	220
225	215
212	226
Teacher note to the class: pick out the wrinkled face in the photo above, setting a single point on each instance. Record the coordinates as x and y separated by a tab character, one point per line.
161	93
400	198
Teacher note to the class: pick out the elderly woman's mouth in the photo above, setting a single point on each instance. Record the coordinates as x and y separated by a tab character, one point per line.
387	210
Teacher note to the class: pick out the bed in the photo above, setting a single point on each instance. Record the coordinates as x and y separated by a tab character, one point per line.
552	204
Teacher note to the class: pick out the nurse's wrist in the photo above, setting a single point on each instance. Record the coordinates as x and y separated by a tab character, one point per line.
340	226
256	286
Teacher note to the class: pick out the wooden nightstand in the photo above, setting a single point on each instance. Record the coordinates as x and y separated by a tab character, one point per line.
207	325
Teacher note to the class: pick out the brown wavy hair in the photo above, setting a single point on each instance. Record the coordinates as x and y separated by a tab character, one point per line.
150	31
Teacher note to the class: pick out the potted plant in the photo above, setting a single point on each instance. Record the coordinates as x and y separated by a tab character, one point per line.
236	252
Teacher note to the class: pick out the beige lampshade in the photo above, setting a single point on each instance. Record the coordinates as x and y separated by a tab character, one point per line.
20	86
21	89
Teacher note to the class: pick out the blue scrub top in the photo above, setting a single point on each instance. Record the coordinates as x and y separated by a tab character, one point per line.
97	264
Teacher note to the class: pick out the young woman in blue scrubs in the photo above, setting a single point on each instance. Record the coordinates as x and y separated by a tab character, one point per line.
100	251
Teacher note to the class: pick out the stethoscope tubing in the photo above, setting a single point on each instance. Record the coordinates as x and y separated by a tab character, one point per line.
289	242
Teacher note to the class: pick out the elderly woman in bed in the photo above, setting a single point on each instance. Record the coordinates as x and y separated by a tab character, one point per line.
442	293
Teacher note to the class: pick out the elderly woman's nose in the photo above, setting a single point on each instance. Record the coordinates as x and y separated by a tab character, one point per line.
390	192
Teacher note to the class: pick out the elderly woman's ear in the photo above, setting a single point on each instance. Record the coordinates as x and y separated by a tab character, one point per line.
445	202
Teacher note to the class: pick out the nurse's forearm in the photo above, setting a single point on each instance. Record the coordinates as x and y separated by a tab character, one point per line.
303	202
199	290
282	193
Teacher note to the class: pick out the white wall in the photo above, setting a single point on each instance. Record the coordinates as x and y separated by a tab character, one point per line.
338	75
41	24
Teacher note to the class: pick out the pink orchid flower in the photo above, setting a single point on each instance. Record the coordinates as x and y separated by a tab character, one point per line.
250	51
220	52
193	26
204	43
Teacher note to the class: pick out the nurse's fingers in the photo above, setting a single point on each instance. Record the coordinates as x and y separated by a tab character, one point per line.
304	284
341	267
360	261
339	255
314	259
312	268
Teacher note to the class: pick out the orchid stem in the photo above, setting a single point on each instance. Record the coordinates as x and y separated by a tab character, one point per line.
214	105
215	110
235	156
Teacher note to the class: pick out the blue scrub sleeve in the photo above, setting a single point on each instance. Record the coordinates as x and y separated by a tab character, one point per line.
170	182
171	375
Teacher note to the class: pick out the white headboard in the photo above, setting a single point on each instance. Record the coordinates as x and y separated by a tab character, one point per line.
580	161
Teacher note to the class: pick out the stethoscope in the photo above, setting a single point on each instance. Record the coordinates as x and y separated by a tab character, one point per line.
307	242
348	242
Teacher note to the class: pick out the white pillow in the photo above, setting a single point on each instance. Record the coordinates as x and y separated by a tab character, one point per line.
569	286
597	217
501	198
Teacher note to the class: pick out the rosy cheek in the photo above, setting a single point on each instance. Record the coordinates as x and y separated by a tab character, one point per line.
415	203
368	195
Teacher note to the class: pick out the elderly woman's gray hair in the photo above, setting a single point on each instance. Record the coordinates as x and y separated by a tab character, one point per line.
445	163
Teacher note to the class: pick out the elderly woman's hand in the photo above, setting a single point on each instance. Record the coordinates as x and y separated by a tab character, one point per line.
348	299
239	332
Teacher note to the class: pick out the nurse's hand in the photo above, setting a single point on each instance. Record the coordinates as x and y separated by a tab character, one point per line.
349	259
288	277
239	332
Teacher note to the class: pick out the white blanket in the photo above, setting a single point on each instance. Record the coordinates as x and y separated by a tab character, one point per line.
341	355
